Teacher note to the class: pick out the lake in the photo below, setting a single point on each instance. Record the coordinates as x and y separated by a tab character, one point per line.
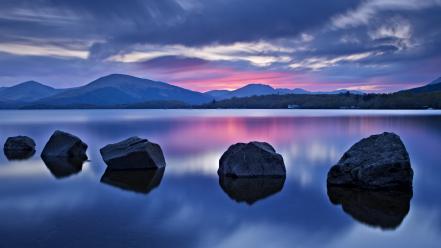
186	206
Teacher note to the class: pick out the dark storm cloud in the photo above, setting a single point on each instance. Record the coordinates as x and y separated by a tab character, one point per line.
167	21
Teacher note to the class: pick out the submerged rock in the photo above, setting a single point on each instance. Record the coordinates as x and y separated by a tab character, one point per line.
250	190
62	144
61	167
379	161
141	180
19	147
254	159
384	209
133	153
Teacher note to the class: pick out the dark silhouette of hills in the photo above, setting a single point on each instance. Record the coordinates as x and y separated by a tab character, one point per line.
263	89
434	86
27	92
124	91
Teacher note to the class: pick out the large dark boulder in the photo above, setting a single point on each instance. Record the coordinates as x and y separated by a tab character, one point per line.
377	162
254	159
377	208
19	147
250	190
62	144
62	167
133	153
140	181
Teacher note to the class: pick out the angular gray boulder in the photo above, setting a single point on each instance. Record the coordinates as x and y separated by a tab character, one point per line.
133	153
62	144
377	162
19	147
254	159
62	167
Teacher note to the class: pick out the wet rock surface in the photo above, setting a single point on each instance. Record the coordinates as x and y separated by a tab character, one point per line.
250	190
133	153
254	159
384	209
62	144
19	147
141	180
61	167
377	162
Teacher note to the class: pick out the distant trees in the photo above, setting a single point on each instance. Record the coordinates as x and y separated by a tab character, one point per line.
344	100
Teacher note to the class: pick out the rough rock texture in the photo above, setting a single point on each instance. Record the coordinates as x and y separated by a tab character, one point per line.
255	159
19	147
250	190
61	167
377	162
141	181
384	209
133	153
62	144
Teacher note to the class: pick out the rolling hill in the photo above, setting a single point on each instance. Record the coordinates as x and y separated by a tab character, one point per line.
263	89
116	89
27	92
434	86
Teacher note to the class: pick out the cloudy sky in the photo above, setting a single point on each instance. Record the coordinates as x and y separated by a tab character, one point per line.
378	45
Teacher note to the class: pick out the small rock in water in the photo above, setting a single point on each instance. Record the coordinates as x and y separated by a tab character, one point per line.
377	162
254	159
19	147
133	153
62	144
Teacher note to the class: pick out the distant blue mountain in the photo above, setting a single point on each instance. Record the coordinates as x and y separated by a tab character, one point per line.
434	86
436	81
116	89
263	89
26	92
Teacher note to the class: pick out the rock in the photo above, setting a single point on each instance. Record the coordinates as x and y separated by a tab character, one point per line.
255	159
133	153
141	181
377	162
63	144
385	208
250	190
19	147
61	167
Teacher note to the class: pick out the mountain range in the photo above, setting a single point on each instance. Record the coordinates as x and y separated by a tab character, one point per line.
118	90
263	89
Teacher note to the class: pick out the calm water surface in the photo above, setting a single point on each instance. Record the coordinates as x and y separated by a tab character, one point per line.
187	207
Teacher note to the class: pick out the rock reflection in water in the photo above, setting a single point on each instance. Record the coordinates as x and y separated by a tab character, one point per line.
18	155
384	209
140	180
62	167
250	190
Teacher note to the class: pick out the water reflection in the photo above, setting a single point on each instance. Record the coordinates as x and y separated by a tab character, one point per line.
190	208
141	180
62	167
384	209
250	190
19	154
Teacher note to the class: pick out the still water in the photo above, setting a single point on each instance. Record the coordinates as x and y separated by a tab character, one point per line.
186	206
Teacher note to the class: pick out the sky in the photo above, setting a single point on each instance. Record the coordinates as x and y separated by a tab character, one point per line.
372	45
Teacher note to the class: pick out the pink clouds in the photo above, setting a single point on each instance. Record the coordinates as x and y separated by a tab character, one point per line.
203	76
